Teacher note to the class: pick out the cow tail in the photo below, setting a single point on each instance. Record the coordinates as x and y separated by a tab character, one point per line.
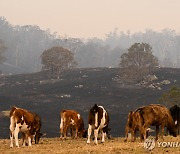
12	110
62	117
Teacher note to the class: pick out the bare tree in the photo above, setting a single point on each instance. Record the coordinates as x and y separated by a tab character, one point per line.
57	59
138	62
2	51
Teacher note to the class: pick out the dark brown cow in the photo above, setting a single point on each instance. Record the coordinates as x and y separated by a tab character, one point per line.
26	122
134	124
98	120
175	113
157	115
71	119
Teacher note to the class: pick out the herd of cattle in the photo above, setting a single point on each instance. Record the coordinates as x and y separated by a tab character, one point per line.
29	124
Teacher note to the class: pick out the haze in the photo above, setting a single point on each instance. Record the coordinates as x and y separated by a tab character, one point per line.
93	18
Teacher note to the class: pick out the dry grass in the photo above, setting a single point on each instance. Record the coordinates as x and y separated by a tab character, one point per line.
73	146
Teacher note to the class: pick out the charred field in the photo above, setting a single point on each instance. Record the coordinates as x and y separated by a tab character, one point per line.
80	89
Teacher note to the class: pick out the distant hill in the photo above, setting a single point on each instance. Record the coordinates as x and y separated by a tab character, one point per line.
80	89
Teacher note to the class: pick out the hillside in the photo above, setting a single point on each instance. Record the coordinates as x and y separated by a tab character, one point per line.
79	89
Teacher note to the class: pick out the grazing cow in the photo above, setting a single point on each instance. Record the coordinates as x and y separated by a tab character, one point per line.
175	113
134	124
98	120
29	124
71	119
156	115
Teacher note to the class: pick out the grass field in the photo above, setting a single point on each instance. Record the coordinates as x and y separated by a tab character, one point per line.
79	146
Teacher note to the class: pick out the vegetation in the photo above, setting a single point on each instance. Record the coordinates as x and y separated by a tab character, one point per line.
171	97
2	50
57	59
138	62
27	43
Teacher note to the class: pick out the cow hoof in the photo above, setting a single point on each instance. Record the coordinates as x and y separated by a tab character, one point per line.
125	140
95	143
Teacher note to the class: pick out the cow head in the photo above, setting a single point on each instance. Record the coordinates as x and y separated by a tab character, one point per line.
95	108
37	137
172	132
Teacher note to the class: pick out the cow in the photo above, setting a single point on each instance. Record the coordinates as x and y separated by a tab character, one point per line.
175	113
134	124
71	119
156	115
28	123
98	120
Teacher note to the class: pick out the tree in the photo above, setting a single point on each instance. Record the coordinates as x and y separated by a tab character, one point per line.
57	59
171	97
2	51
138	62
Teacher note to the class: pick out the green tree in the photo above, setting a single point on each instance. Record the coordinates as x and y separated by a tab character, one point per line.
57	59
138	62
171	97
2	51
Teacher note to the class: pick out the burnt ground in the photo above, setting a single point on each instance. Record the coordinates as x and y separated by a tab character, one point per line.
78	89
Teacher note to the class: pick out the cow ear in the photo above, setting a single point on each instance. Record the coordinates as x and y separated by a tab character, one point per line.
131	112
96	105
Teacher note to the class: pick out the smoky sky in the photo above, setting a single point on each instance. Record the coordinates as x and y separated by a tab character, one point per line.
93	18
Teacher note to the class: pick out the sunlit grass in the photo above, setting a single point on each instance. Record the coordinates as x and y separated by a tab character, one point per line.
71	146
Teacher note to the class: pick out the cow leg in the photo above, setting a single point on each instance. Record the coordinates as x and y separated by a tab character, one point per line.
29	141
11	127
157	132
162	131
65	131
133	135
11	138
76	135
103	136
141	137
16	132
72	131
144	130
23	139
126	134
89	133
61	128
96	135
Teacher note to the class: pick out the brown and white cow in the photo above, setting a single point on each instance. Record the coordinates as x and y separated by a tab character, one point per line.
157	115
71	119
98	120
28	123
